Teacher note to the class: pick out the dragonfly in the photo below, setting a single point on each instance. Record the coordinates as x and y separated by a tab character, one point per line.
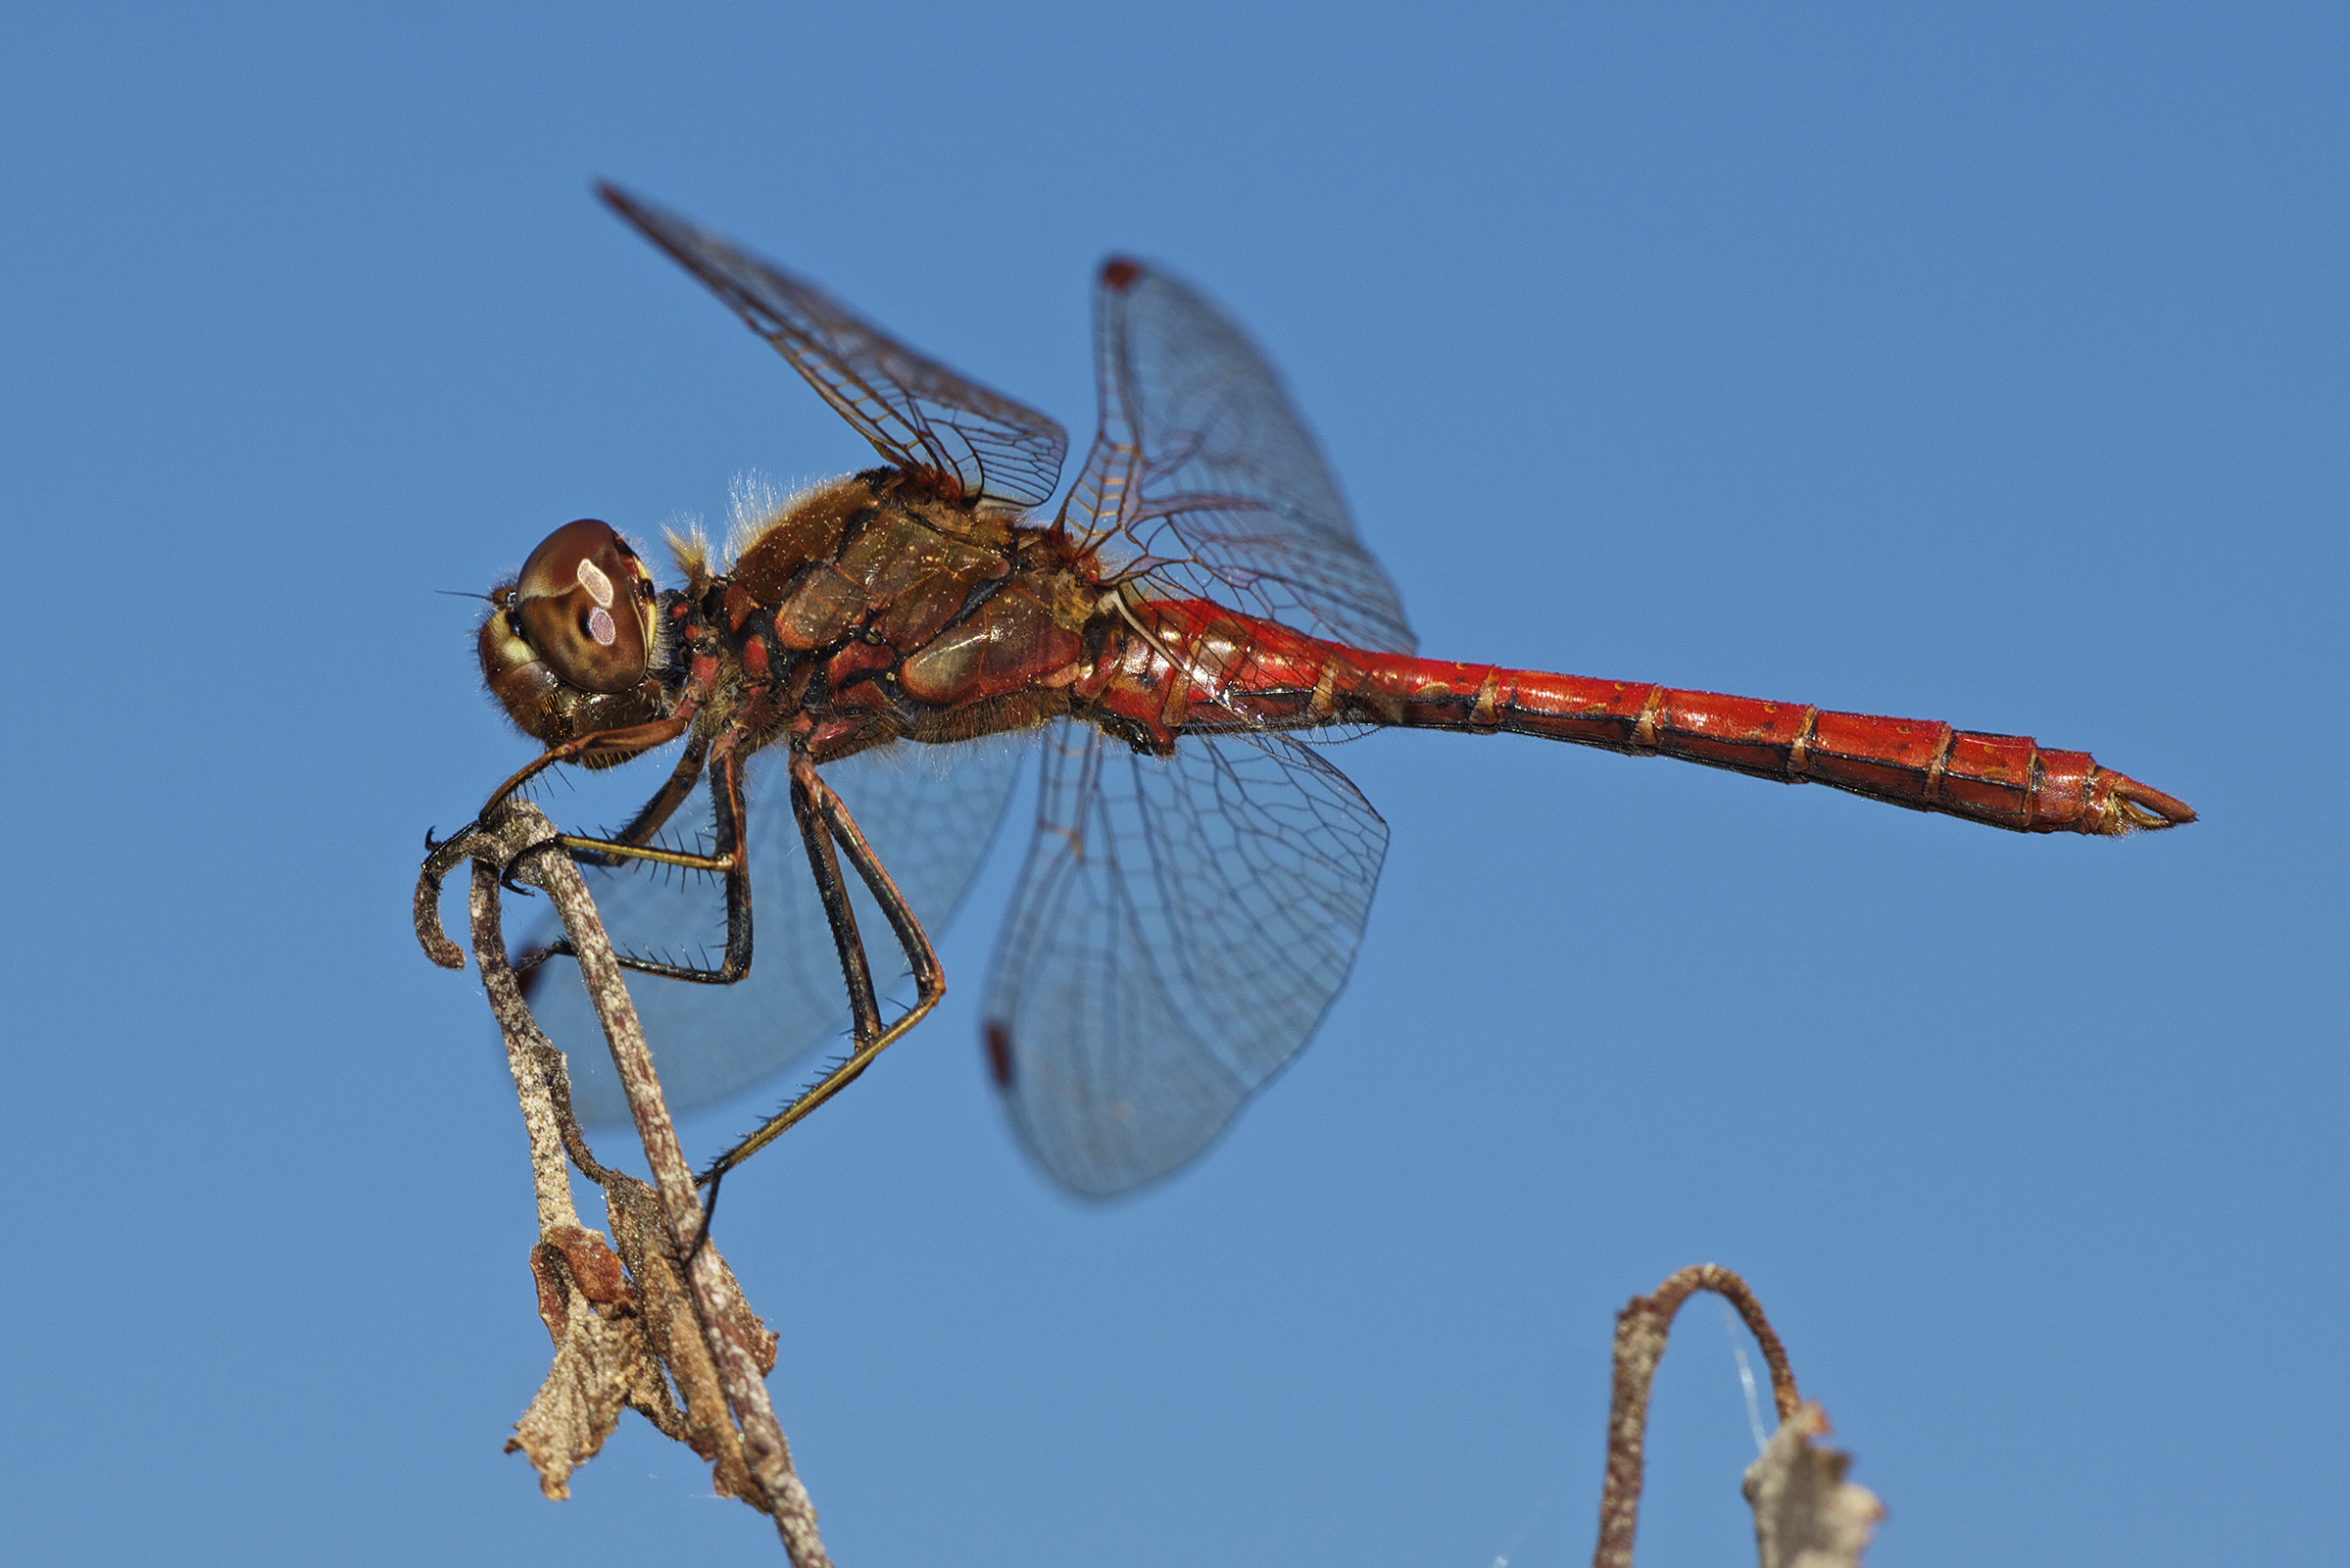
858	675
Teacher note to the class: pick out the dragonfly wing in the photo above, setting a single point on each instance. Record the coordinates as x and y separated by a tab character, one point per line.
930	812
918	414
1181	926
1205	478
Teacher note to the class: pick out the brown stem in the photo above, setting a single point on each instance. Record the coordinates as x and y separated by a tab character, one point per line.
685	1299
764	1449
542	1077
440	859
1641	1331
661	1304
528	1054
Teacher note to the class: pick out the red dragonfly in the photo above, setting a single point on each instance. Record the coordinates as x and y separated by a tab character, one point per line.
1197	879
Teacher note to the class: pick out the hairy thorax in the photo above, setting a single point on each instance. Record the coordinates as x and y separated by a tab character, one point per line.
870	610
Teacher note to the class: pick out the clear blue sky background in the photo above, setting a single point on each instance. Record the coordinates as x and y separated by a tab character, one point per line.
1976	362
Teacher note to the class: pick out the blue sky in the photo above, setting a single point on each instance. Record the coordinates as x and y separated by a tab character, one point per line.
1981	364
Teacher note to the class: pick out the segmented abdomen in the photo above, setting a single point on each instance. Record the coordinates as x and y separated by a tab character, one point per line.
1199	666
2008	781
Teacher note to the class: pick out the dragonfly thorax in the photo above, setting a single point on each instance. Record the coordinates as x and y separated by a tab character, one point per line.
876	608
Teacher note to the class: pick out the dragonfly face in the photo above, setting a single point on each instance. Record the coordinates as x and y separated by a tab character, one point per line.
571	646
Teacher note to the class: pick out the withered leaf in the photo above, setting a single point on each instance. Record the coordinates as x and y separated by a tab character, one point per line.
1806	1514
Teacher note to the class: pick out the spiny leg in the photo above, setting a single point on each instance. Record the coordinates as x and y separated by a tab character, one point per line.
727	860
627	741
856	969
724	861
816	832
823	819
655	813
624	742
650	818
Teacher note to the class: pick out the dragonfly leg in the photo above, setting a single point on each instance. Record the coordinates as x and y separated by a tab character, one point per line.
650	818
856	969
824	821
655	813
613	743
726	860
624	742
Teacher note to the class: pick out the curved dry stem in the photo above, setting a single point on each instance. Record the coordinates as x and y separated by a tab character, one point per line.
542	1080
1640	1332
442	857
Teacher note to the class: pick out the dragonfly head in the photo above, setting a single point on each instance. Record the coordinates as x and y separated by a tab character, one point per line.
569	647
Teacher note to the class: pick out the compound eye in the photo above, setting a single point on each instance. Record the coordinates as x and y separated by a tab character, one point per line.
585	606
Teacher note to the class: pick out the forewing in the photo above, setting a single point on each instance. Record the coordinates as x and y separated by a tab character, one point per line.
916	412
1205	477
1181	926
930	812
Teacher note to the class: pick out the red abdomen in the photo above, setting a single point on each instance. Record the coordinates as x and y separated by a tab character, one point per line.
2008	781
1211	669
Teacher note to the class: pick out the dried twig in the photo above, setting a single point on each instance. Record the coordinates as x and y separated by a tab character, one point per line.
1641	1330
619	1322
665	1305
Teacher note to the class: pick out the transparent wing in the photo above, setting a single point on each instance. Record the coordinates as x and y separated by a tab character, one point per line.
918	414
1180	928
929	811
1205	477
